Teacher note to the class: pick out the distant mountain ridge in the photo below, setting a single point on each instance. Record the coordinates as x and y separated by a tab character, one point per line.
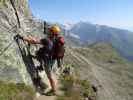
89	33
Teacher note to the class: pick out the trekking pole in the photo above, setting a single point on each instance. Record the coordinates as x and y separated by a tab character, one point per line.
44	27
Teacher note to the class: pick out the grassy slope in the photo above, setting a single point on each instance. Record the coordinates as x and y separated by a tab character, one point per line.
11	91
76	89
105	52
113	65
102	52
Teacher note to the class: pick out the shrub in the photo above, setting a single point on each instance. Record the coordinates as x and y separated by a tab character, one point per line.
75	89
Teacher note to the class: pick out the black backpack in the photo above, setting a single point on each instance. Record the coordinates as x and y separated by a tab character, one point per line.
46	50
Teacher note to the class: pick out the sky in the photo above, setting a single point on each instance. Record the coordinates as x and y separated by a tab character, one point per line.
115	13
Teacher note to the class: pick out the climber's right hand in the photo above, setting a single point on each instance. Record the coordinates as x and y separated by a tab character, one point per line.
18	36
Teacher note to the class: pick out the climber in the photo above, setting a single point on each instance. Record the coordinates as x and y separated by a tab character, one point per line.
48	53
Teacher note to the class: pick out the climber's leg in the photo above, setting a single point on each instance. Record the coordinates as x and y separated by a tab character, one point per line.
48	69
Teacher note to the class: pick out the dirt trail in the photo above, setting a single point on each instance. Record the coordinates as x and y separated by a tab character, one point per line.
58	85
43	97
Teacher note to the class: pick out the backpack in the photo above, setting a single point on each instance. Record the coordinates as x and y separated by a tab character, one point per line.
58	48
46	50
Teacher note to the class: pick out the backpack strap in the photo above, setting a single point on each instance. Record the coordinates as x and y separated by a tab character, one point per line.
58	48
61	40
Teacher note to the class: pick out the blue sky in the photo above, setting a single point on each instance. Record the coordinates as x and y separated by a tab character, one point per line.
116	13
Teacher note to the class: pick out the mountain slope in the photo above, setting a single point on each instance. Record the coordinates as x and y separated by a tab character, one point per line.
112	76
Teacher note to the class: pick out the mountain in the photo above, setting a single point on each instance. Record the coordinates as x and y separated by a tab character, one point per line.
89	33
67	25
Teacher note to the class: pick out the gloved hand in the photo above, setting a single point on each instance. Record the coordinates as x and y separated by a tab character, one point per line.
18	36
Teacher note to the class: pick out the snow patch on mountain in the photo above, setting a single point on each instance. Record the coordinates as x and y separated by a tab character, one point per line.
74	35
68	25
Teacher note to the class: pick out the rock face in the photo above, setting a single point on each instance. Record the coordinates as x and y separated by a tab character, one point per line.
7	13
11	64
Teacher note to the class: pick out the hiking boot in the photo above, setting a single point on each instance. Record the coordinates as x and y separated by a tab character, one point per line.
51	93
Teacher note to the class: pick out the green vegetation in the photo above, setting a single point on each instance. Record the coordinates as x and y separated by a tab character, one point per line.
102	52
75	89
26	9
24	4
11	91
105	52
2	2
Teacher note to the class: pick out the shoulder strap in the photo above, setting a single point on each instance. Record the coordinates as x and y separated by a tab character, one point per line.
61	40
